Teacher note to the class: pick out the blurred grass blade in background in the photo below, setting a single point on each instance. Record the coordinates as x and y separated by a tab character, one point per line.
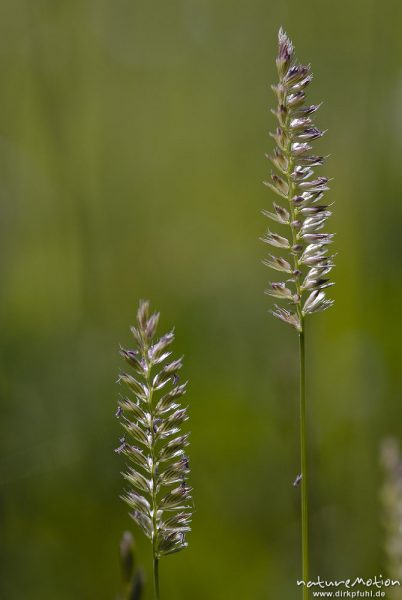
132	576
391	496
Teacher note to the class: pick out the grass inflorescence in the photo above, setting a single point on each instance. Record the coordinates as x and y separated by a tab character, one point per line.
301	245
158	495
305	261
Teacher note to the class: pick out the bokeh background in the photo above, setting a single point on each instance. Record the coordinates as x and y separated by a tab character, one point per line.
132	140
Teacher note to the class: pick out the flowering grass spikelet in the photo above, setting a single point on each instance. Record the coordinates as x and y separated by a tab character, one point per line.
158	494
307	260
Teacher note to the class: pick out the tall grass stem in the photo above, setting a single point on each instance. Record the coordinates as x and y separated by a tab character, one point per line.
301	246
156	577
303	460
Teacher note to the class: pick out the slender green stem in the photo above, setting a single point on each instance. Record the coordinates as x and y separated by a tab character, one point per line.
154	549
298	304
156	577
154	480
303	460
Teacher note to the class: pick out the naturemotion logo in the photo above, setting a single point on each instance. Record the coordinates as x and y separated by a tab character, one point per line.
357	587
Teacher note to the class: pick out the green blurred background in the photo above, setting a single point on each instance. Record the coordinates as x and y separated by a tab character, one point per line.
132	140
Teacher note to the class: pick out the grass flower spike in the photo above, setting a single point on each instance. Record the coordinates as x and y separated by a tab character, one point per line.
301	213
301	245
151	415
